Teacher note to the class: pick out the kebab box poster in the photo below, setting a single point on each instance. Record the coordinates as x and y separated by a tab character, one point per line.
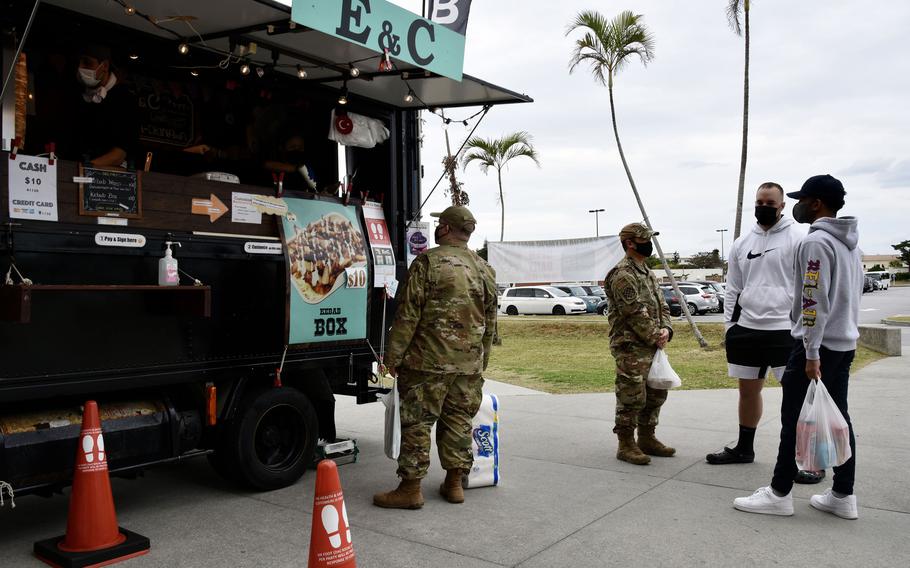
327	267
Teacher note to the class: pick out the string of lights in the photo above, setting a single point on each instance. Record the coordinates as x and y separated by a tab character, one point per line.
240	55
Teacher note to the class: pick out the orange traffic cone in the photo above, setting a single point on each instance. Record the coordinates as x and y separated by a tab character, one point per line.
330	536
92	535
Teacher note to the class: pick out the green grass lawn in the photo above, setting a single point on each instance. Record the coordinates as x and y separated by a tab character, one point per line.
572	355
900	318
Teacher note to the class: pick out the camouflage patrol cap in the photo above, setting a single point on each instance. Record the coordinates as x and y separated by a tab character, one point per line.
636	230
458	217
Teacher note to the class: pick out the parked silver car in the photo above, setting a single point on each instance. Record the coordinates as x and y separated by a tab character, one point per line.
700	299
591	301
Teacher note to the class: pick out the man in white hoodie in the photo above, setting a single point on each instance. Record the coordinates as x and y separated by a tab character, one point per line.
757	312
825	315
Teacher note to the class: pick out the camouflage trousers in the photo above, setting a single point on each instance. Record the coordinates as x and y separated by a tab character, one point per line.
636	402
448	401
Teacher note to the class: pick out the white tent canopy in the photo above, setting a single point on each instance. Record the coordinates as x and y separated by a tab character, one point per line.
569	260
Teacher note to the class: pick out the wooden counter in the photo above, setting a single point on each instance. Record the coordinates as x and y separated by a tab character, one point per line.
166	203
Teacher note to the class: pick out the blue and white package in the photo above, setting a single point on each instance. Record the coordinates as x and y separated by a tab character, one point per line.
485	444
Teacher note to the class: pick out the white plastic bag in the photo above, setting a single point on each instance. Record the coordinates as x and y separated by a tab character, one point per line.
822	433
662	376
485	444
392	422
365	132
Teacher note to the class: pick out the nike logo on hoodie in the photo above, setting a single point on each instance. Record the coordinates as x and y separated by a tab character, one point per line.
752	256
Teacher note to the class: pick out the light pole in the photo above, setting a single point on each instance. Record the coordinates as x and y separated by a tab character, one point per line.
722	231
597	213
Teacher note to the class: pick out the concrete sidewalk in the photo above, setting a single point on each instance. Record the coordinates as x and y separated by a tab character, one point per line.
564	501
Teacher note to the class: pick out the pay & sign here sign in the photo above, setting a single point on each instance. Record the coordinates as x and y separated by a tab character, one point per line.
379	25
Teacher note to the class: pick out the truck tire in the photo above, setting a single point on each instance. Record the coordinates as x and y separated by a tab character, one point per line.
271	441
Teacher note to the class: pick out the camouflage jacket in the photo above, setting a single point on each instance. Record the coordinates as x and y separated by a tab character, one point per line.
446	314
637	309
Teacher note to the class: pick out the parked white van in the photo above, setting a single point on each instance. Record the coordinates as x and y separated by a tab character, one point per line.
881	279
539	300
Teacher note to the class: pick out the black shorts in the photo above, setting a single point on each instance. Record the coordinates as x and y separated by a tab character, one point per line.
751	352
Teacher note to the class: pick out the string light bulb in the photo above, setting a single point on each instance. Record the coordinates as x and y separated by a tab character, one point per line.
183	48
409	98
355	71
130	11
260	72
194	72
343	97
134	56
301	72
244	69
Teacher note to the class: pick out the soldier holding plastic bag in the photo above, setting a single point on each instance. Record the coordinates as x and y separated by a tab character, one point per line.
438	347
639	325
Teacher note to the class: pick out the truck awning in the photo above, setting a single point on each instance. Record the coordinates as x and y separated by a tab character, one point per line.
218	24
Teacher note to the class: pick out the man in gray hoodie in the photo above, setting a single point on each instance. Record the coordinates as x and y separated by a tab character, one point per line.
825	318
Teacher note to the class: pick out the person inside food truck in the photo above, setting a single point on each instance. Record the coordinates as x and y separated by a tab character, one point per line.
104	125
293	167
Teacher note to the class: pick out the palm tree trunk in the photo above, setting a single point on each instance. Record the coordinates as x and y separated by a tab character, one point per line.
660	252
502	208
742	162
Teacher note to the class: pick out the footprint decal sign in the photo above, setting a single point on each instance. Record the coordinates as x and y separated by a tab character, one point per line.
93	455
336	530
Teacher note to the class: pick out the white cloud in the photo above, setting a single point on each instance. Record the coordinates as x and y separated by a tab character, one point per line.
828	88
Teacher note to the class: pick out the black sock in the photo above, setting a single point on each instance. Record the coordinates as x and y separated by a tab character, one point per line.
746	439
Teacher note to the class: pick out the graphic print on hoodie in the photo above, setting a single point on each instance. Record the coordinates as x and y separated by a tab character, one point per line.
825	308
760	277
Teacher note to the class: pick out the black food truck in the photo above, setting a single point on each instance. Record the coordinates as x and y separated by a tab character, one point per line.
207	255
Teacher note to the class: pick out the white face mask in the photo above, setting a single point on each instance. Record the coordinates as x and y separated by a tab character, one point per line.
87	77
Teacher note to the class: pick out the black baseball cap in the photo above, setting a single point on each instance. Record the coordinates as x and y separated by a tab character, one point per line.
824	187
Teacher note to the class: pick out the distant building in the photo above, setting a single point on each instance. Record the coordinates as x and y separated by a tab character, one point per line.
870	260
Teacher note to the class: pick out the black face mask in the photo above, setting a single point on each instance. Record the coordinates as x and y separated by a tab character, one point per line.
801	213
437	234
766	215
644	249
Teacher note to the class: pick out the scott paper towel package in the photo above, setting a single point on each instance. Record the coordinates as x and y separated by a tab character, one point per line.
485	445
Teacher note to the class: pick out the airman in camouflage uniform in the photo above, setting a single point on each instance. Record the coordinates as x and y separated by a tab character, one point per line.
438	347
639	324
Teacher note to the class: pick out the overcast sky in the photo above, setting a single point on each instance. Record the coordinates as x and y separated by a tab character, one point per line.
830	83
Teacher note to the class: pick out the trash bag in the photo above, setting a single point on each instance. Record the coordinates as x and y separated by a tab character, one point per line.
822	433
392	422
662	376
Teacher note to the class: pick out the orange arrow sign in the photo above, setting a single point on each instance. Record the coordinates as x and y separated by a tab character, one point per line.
213	207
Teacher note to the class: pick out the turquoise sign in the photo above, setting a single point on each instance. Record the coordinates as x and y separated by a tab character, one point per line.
327	272
379	25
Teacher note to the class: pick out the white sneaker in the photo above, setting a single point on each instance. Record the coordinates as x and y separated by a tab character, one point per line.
764	501
843	507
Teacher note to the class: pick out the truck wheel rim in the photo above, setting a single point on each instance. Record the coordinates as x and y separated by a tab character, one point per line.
279	439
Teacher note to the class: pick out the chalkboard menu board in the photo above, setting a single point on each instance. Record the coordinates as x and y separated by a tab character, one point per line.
164	117
111	193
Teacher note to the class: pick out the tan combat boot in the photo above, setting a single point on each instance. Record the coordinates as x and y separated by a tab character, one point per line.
651	445
628	451
451	488
407	496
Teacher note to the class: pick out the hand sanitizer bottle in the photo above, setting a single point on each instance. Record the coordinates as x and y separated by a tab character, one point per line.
167	267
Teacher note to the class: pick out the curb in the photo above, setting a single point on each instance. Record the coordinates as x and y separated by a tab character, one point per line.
897	323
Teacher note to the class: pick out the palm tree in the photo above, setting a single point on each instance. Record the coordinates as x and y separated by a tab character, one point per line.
735	10
497	154
608	46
